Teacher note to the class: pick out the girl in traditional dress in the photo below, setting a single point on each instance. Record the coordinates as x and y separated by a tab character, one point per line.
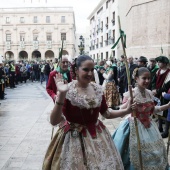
154	156
110	89
82	141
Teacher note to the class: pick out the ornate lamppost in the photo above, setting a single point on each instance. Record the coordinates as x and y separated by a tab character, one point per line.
81	46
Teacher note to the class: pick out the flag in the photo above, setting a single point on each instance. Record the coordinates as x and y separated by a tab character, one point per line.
122	34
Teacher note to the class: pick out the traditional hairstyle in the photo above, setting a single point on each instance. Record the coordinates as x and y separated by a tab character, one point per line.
139	71
81	59
78	61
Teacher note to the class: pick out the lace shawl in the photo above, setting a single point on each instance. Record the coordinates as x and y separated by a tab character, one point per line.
82	101
140	99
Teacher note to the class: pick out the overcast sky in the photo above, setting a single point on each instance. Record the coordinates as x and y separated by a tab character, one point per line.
82	8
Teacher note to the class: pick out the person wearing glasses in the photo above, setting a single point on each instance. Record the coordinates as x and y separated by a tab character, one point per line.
62	69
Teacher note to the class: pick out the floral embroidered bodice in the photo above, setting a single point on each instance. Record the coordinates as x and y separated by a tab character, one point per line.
145	106
143	113
81	109
84	101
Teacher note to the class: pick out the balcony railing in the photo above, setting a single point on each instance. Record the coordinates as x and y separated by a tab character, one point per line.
35	45
49	44
8	45
22	44
101	44
113	22
106	42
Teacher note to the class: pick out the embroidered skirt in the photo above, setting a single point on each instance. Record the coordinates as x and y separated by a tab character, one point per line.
154	156
111	94
71	151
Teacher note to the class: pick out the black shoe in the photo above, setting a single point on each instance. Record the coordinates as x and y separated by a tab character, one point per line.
160	129
3	98
164	135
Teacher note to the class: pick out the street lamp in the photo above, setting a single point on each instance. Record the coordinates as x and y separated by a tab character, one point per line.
81	46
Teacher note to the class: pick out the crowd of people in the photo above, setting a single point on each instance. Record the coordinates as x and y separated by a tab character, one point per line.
12	73
86	89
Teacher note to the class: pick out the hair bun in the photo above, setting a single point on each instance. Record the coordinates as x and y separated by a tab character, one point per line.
135	73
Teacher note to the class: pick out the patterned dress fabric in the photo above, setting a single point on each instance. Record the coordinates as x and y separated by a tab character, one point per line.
82	141
154	156
110	90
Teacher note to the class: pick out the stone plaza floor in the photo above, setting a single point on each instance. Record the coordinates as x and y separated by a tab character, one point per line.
25	132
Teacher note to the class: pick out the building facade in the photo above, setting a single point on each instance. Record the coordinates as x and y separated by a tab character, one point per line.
103	30
36	33
147	26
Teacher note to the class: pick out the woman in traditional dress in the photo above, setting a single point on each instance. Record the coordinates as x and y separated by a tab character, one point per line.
82	141
110	89
154	156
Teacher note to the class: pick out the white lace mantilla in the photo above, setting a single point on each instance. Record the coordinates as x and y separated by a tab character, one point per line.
138	96
83	101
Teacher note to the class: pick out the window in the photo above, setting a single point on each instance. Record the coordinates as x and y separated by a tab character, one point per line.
94	56
113	20
49	37
8	37
63	36
7	20
22	20
47	19
107	56
101	56
22	37
113	53
107	20
62	19
113	36
35	19
106	4
35	37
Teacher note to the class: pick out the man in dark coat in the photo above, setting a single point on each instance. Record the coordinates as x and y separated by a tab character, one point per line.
2	81
12	74
162	77
142	61
132	67
47	71
153	68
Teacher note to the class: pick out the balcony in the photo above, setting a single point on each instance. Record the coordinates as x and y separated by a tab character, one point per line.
22	44
106	25
49	44
113	22
35	45
8	45
101	29
106	42
112	40
96	46
101	44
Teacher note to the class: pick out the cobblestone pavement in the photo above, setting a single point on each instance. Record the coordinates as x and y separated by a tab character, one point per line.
24	130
